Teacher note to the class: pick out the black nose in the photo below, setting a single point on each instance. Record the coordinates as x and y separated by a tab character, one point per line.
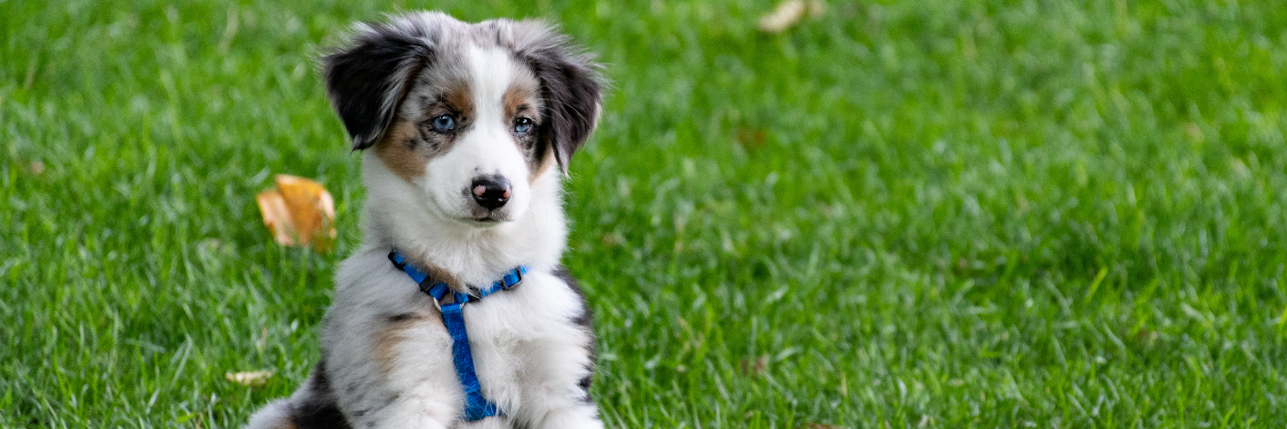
491	192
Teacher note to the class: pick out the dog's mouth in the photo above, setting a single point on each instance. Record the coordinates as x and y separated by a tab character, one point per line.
487	219
480	217
477	217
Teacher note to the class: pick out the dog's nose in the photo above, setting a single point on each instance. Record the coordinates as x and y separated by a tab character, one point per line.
491	192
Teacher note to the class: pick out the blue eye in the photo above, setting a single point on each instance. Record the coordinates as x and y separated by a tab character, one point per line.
522	125
444	123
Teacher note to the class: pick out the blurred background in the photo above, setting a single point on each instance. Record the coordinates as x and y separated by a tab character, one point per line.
1023	213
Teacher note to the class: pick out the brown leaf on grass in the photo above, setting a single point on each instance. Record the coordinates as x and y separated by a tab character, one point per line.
299	212
789	13
249	378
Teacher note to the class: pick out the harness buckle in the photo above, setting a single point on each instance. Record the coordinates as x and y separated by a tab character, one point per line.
518	279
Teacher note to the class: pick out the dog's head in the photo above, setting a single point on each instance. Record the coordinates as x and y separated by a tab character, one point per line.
472	115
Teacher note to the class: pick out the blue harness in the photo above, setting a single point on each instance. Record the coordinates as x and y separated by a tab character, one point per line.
476	406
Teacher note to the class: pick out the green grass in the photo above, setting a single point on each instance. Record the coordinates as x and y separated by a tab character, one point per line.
929	213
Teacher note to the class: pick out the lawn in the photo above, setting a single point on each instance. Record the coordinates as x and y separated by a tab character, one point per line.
935	213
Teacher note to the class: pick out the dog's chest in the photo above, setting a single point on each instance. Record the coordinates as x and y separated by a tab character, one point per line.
513	334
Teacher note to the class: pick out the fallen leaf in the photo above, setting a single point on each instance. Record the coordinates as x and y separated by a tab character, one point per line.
788	13
299	212
249	378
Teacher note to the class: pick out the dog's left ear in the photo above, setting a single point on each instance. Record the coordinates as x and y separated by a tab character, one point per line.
571	85
367	79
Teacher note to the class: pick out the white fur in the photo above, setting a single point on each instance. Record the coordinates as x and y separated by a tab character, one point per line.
528	352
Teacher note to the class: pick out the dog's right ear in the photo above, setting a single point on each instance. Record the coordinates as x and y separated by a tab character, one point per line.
367	79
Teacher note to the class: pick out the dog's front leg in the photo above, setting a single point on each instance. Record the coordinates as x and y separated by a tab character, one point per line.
555	395
495	422
411	413
572	416
396	372
427	404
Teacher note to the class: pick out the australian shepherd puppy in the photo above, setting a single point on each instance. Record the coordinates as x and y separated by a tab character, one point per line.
465	132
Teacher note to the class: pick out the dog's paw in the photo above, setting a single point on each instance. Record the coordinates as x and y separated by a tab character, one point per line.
498	422
405	420
273	416
574	418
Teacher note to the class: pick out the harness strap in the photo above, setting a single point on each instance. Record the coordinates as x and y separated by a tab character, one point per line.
477	407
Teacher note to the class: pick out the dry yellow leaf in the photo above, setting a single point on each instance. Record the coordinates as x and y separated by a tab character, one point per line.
789	13
299	212
249	378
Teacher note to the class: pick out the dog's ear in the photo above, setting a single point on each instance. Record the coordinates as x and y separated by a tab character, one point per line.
571	85
367	79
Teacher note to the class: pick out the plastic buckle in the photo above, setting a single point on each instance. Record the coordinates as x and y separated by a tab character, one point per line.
518	273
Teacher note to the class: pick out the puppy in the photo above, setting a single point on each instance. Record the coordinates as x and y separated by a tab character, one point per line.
465	132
